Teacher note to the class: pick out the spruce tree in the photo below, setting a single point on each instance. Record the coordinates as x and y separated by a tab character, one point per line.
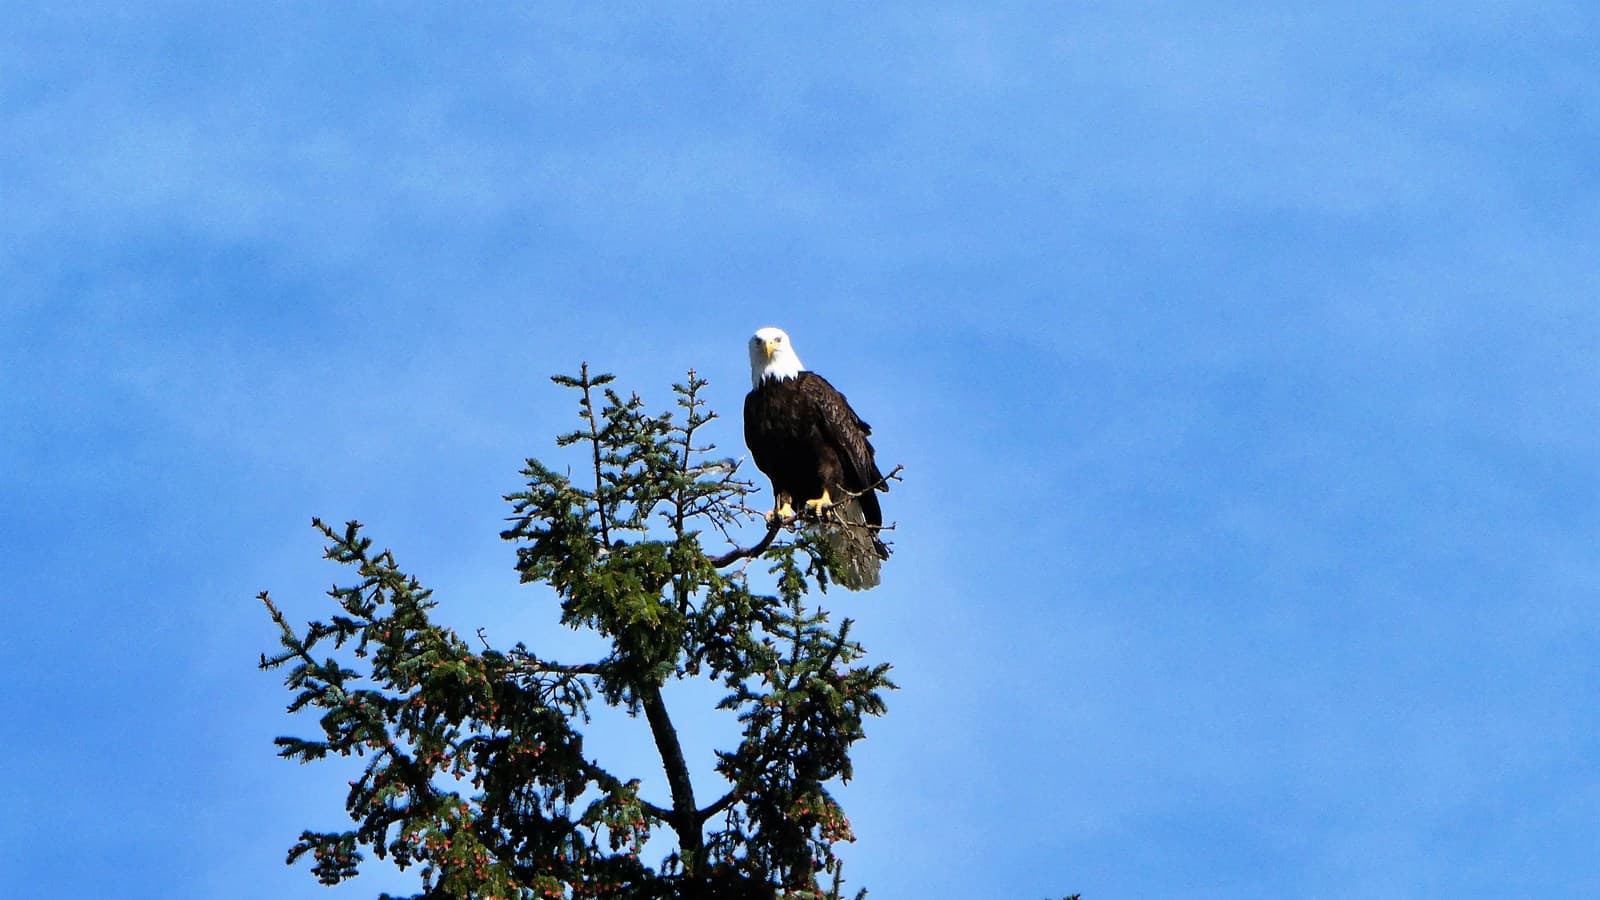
474	765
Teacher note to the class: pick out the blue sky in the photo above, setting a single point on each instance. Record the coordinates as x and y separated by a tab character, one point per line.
1242	358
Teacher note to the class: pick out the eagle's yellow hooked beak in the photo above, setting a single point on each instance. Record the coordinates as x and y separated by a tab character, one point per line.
770	345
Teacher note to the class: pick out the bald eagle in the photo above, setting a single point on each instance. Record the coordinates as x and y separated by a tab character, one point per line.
806	438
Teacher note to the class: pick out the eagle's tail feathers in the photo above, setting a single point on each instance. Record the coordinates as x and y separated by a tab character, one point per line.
855	553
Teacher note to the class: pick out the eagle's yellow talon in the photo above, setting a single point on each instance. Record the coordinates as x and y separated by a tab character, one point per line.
815	507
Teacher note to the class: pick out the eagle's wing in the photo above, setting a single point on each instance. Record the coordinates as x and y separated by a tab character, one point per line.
848	434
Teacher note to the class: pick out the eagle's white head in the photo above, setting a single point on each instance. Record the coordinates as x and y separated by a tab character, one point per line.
772	356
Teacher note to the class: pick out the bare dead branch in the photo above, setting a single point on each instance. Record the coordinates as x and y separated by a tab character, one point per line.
894	475
722	803
760	547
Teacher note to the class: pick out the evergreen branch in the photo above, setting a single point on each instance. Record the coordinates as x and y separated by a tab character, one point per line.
612	784
291	641
594	444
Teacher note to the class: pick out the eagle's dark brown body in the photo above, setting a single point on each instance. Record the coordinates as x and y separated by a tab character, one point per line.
806	438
